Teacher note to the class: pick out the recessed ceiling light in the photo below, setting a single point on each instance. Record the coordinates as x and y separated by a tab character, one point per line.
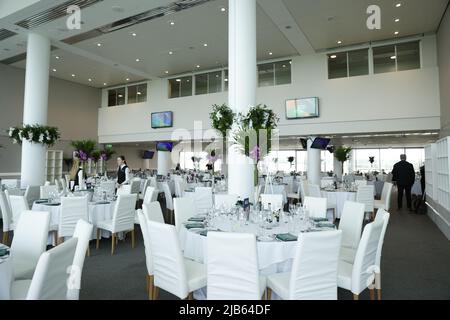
223	9
284	66
99	44
178	80
137	60
54	70
339	42
226	80
172	23
104	83
198	66
205	44
134	34
120	96
270	53
90	80
398	5
166	72
171	52
57	57
394	57
333	56
139	93
127	79
396	32
73	76
396	19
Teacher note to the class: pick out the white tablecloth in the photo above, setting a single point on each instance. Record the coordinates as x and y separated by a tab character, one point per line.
97	213
339	198
278	189
5	277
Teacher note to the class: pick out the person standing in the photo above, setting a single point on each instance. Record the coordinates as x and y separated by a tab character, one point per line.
123	172
403	176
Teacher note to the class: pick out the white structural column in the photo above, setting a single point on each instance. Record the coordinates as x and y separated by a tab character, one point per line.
314	162
241	87
164	162
35	108
337	166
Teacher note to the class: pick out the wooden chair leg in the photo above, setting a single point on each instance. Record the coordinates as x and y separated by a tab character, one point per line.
133	243
379	294
5	237
55	237
113	243
372	294
150	287
355	297
155	293
269	294
60	240
98	238
191	296
88	251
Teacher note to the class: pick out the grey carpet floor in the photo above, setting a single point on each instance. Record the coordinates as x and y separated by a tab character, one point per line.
415	265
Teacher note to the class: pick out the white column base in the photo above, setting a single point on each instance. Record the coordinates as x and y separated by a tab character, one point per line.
33	164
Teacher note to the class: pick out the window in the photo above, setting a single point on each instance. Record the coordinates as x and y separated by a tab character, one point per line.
180	87
186	161
137	93
208	83
273	74
386	158
348	64
116	97
399	57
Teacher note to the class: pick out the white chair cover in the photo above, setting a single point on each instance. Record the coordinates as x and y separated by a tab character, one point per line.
168	196
351	225
124	190
314	191
123	216
32	194
135	185
317	207
83	232
145	234
153	212
184	209
18	205
385	201
45	191
72	210
151	195
51	278
365	195
275	200
232	267
6	213
203	199
58	186
30	240
109	187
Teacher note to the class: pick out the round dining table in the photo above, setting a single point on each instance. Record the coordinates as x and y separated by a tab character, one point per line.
339	197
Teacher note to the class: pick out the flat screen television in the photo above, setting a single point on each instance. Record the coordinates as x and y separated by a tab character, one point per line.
148	154
320	143
302	108
164	146
162	119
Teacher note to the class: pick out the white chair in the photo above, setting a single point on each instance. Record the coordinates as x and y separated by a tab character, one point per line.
314	191
169	200
32	193
109	187
153	212
258	191
47	183
225	200
124	190
148	253
18	205
383	216
151	195
351	225
153	182
58	186
203	199
179	187
11	183
8	224
360	275
135	186
385	201
50	280
365	195
72	210
232	267
45	191
144	189
304	189
275	200
317	207
297	195
63	183
184	209
122	220
30	240
172	272
83	232
314	269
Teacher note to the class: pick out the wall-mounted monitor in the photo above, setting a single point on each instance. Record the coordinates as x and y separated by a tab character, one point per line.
302	108
164	146
162	119
148	154
320	143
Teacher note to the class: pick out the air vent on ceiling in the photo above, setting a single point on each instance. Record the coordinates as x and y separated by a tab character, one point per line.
4	34
54	13
136	19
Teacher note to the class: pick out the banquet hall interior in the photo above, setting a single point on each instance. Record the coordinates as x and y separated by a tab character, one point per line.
224	150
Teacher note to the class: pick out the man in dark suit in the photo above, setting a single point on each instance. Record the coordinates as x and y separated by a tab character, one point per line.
404	176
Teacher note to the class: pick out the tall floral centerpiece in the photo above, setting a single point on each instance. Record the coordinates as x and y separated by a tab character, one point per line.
34	133
84	150
105	155
342	154
222	119
254	134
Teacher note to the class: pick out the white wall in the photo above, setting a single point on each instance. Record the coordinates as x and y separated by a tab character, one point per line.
443	39
400	101
72	108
